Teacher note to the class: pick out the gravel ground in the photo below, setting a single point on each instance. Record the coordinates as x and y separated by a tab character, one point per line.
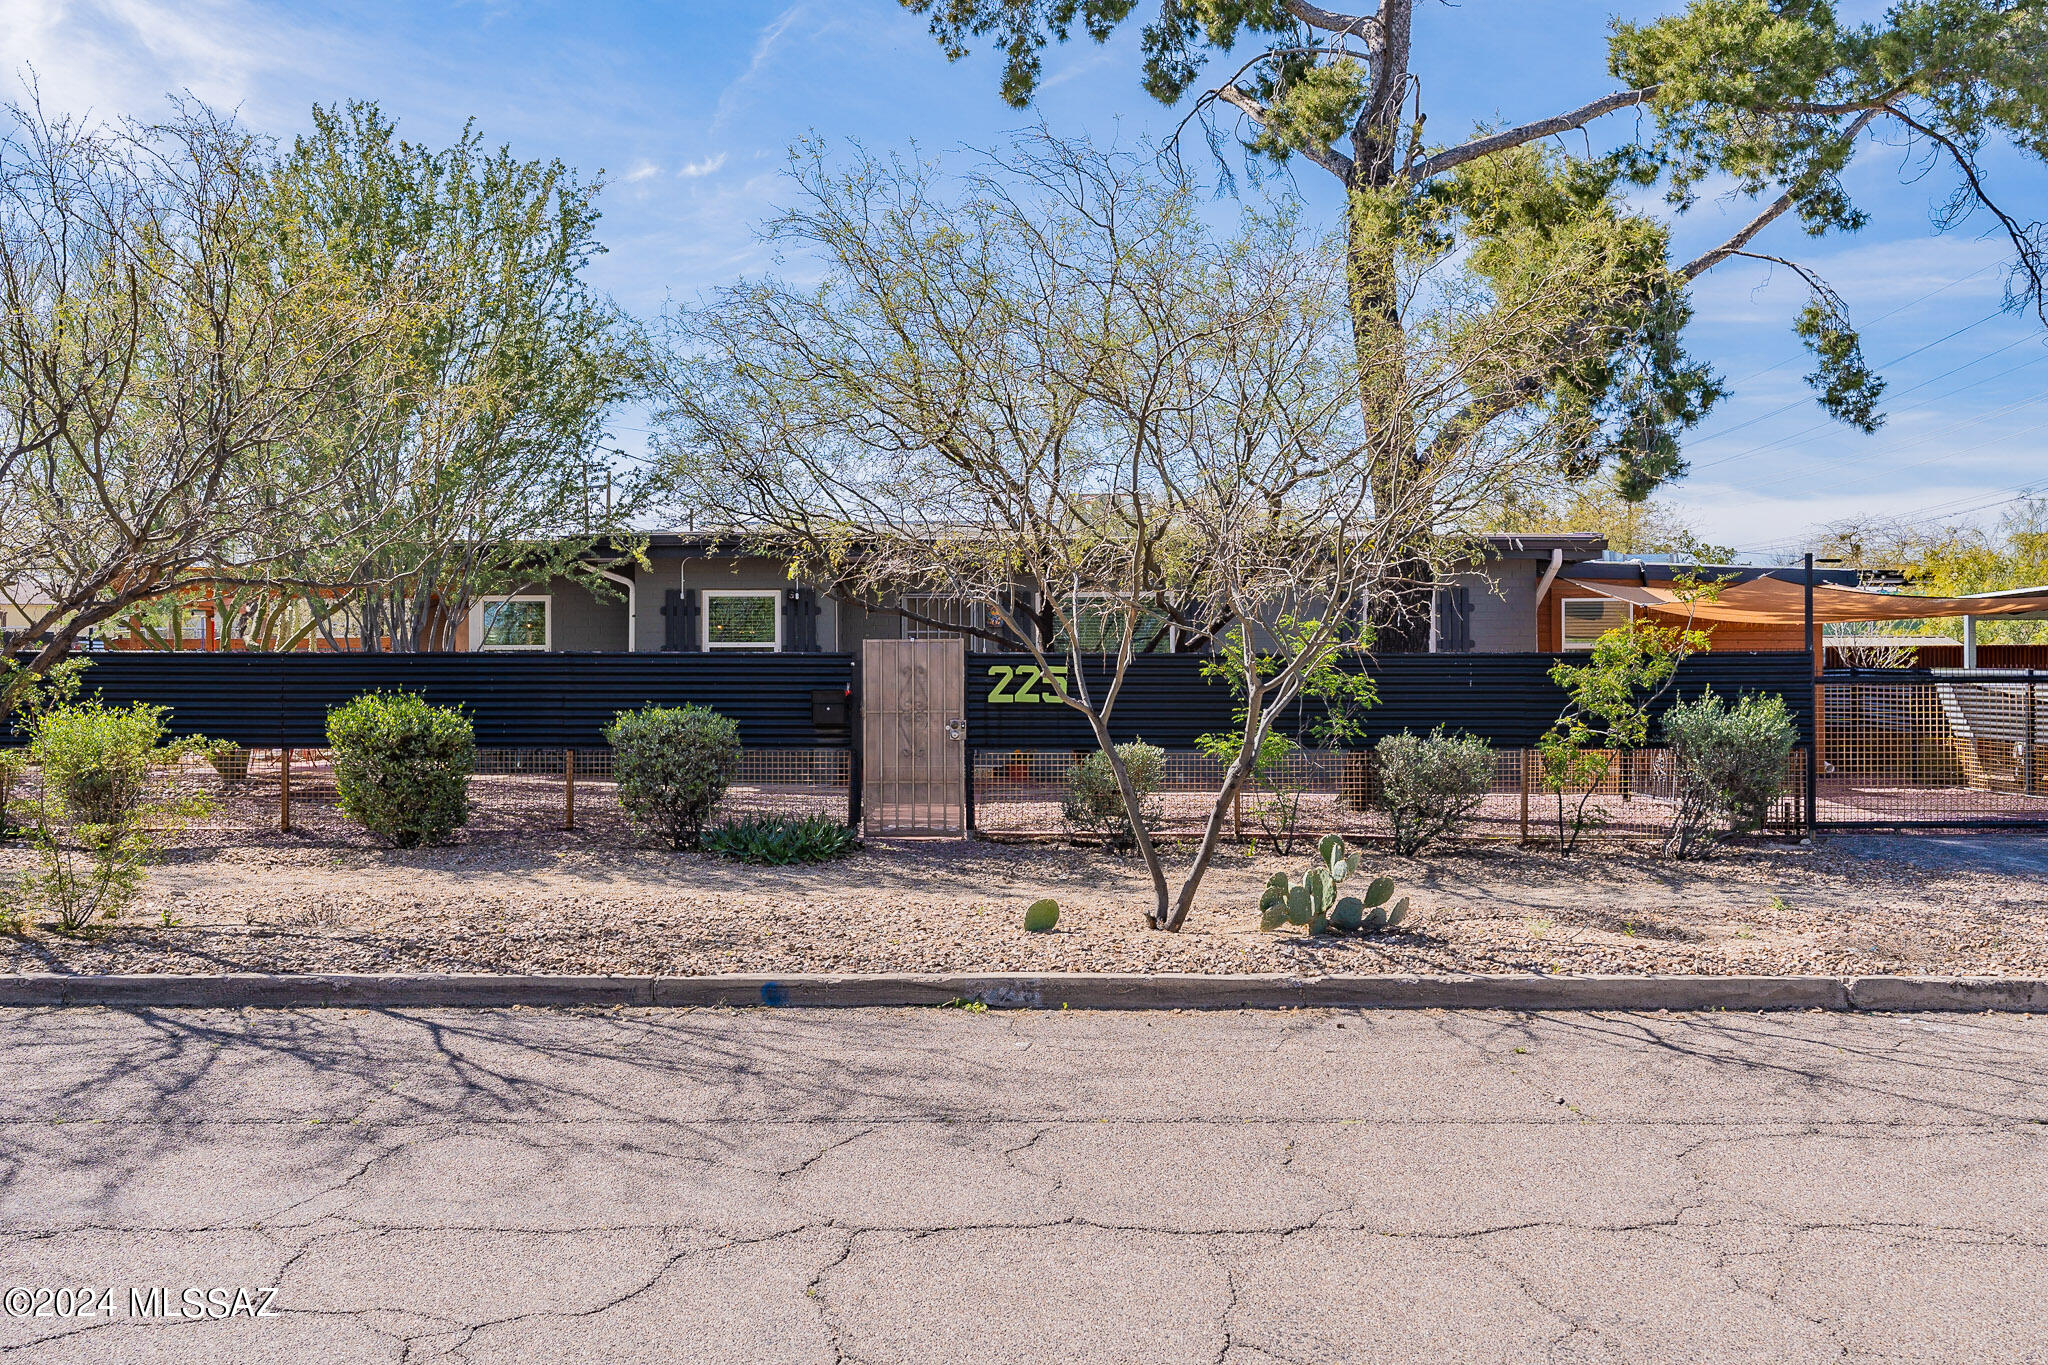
1852	905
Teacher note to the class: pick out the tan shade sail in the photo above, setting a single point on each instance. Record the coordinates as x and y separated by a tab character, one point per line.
1775	602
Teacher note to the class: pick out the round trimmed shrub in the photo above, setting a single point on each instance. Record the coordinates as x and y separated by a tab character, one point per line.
96	758
673	765
402	766
1730	763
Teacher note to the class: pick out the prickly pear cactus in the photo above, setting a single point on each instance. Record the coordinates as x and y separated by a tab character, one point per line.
1314	902
1042	916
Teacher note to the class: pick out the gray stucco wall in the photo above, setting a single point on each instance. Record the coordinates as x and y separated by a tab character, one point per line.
670	570
1503	597
582	620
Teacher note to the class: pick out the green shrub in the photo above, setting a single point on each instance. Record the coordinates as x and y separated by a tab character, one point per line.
13	767
402	766
1094	805
779	840
92	824
95	760
1431	785
673	765
1729	764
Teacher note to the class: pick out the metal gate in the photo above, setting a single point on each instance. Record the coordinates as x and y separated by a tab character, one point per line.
913	737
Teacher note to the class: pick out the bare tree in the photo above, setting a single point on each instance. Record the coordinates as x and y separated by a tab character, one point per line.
1047	391
158	373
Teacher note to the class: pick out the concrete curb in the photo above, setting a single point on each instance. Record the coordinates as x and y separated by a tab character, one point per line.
1023	990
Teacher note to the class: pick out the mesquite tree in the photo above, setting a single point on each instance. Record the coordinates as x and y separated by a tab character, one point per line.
1047	392
161	381
488	467
1776	96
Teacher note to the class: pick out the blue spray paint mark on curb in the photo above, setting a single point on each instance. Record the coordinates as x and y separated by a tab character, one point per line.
772	993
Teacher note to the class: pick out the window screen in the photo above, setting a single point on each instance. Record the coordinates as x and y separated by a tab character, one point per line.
740	620
515	625
1586	619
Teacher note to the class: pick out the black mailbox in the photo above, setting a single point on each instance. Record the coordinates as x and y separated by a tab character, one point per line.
828	708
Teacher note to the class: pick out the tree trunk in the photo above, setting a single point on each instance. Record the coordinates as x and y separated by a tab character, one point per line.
1398	614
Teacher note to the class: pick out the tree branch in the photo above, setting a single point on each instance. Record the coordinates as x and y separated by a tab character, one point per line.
1335	162
2025	240
1364	26
1478	147
1701	264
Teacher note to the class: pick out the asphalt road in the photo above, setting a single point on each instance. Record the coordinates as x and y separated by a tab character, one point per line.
928	1186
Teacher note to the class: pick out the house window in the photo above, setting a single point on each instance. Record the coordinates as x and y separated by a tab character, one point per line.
1586	619
1099	620
512	623
955	613
743	620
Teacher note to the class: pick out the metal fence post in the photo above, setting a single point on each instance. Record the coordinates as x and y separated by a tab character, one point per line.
2027	753
855	742
568	789
1522	781
1819	708
284	791
967	788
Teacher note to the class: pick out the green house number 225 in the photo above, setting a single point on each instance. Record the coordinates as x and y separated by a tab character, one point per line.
1027	682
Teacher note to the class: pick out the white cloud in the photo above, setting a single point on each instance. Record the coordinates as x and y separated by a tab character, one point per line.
702	168
730	98
641	170
123	56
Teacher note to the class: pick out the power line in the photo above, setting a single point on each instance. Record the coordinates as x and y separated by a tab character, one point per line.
1781	441
1911	303
1926	437
1947	509
1801	402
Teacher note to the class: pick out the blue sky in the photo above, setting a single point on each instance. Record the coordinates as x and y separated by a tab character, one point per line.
688	107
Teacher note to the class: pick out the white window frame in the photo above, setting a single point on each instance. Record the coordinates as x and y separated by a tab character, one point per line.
704	614
1565	643
476	623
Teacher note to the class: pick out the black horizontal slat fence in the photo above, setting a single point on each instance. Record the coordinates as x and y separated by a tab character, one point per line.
268	700
1507	699
538	700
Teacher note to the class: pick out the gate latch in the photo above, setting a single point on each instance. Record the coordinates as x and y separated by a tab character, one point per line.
956	730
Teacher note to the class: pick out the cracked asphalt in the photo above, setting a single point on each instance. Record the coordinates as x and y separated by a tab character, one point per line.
927	1185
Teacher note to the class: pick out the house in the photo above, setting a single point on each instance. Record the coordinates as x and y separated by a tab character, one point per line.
1515	594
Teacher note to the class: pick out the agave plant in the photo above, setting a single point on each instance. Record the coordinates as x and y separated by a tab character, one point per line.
1314	901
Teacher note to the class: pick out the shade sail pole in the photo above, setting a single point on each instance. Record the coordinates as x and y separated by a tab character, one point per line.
1813	745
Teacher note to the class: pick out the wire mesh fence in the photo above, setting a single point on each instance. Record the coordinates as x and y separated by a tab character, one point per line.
513	794
1023	793
1953	748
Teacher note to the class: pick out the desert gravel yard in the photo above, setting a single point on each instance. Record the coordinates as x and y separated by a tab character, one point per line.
1956	905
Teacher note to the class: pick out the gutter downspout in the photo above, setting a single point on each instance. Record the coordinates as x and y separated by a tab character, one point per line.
632	606
1549	576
